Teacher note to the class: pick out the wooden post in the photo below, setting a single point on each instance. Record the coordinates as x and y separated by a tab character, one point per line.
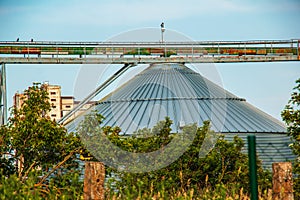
282	181
94	181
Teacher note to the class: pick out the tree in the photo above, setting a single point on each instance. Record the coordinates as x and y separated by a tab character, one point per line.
291	116
225	167
6	161
34	148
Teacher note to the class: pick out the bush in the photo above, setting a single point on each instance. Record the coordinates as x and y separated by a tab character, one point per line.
223	170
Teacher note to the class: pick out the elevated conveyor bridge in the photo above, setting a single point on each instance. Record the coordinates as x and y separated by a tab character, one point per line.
133	53
148	52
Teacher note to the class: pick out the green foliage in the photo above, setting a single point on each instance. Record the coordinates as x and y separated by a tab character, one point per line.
224	170
65	186
38	156
6	160
291	116
12	188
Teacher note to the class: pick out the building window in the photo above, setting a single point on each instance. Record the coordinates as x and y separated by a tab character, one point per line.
53	115
53	93
53	99
68	106
53	106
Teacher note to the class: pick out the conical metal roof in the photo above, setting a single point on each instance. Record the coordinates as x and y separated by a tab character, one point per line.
186	97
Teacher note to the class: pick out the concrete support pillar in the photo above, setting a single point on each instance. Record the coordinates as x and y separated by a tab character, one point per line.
282	181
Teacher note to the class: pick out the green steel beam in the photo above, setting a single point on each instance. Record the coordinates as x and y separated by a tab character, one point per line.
252	167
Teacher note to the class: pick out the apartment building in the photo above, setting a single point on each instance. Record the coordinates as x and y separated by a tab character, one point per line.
60	105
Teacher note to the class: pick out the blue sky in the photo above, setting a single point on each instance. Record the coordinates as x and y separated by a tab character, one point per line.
265	85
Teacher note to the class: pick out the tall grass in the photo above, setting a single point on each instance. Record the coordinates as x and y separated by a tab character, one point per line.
218	192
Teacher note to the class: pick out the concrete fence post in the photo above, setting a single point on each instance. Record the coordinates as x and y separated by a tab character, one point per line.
94	181
282	181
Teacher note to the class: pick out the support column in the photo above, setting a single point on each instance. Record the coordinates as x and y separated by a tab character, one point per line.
252	167
3	95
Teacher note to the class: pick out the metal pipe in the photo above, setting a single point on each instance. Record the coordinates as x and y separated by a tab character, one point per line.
146	60
252	167
97	91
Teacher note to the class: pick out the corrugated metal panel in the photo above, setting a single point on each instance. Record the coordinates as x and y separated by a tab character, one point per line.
185	96
270	148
